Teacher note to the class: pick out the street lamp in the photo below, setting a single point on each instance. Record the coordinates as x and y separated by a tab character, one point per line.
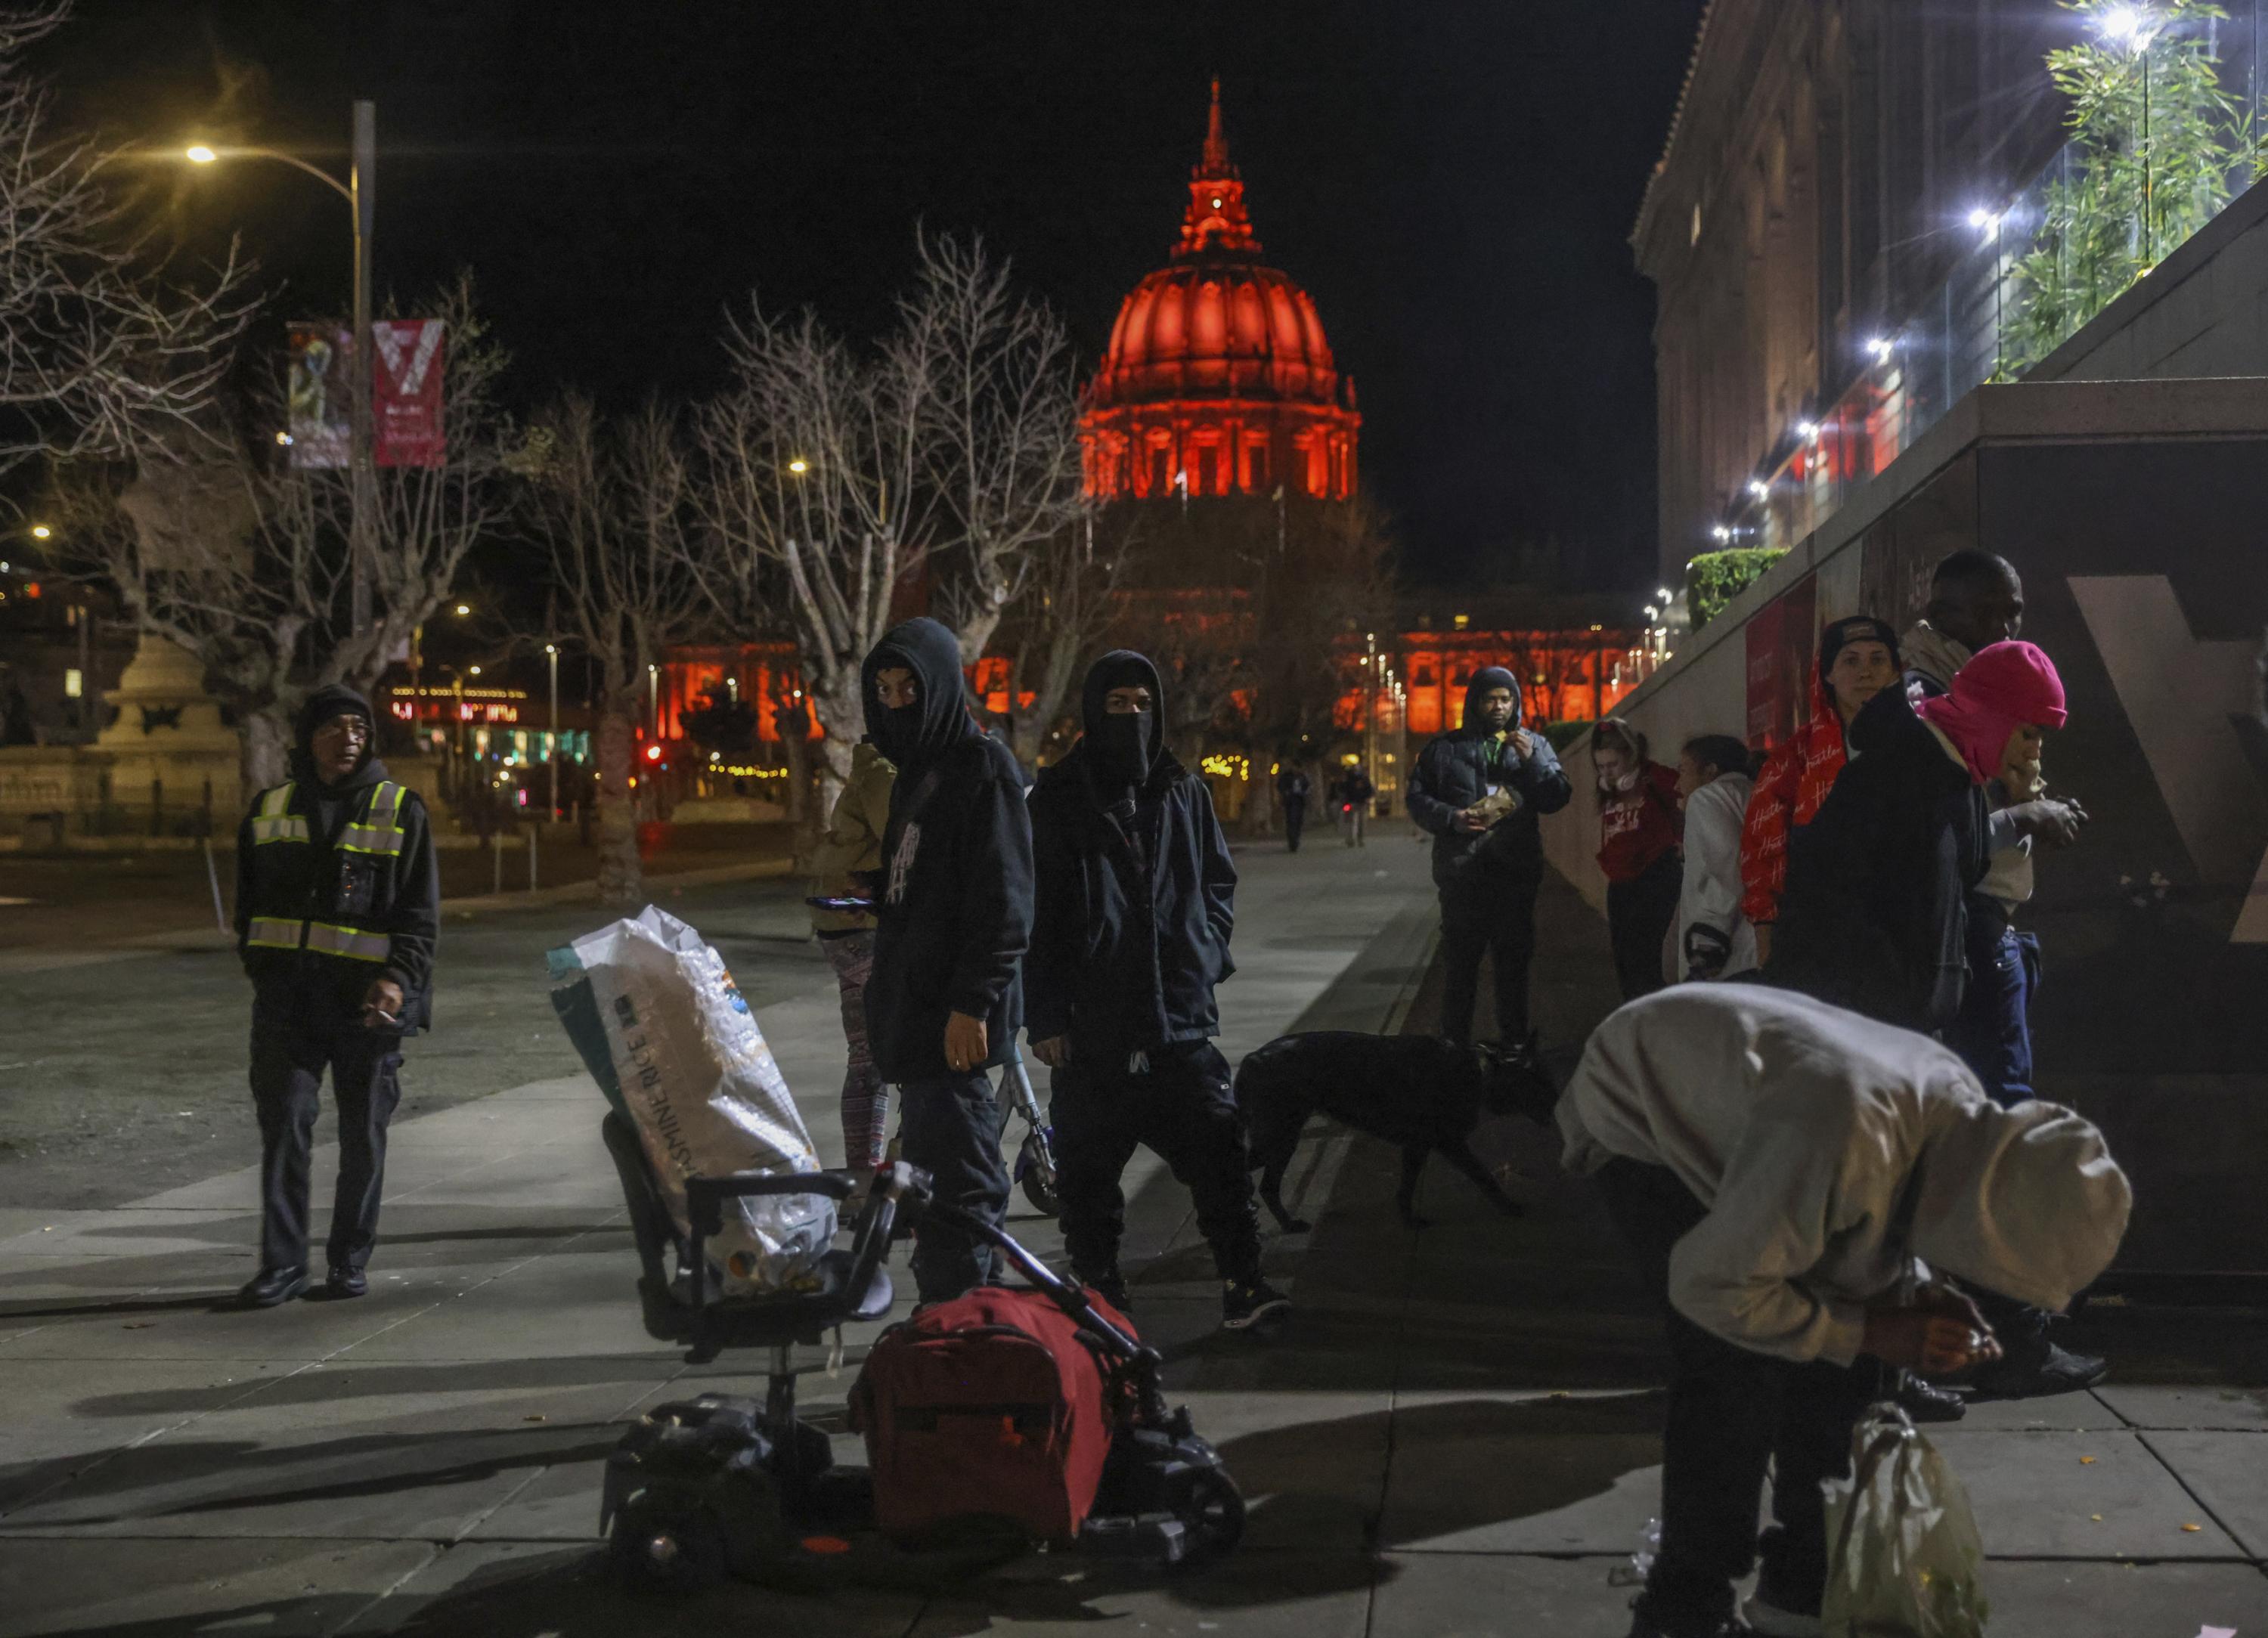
799	466
360	191
41	531
551	653
463	609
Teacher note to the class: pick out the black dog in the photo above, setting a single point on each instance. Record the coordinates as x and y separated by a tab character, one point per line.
1417	1091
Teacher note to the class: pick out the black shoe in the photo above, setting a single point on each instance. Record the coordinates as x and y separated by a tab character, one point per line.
2039	1373
1926	1401
1111	1288
343	1283
272	1287
1246	1302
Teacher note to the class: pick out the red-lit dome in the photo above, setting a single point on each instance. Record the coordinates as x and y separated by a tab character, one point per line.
1219	379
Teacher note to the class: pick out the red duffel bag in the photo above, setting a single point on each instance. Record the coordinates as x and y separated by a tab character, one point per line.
991	1405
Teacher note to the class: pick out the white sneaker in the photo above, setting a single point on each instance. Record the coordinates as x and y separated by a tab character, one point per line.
1767	1621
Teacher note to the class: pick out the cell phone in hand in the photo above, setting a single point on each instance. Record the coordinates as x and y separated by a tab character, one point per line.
843	905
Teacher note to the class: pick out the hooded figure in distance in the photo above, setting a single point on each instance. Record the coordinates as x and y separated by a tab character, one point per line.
1135	904
337	908
953	917
1480	791
1779	1168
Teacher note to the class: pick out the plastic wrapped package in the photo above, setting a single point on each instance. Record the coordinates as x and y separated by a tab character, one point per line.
1905	1560
671	1042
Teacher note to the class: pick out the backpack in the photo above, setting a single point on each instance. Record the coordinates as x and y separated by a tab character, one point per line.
995	1404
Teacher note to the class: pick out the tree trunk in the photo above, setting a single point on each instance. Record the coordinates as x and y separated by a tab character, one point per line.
264	748
842	715
621	879
1260	802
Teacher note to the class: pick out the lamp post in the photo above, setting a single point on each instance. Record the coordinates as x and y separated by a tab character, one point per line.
360	191
551	654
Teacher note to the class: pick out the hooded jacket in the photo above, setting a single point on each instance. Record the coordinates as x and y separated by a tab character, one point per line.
1834	1154
1713	937
1874	916
1136	895
1458	769
954	912
337	884
850	853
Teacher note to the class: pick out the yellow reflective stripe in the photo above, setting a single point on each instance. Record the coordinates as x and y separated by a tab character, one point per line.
275	802
333	940
377	833
268	932
275	821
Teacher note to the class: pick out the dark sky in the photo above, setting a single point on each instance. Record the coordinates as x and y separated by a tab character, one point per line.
1452	179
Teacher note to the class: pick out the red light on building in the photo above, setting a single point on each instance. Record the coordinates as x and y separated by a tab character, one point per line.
653	753
1217	380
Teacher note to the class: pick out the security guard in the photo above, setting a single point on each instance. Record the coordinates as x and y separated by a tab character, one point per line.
337	904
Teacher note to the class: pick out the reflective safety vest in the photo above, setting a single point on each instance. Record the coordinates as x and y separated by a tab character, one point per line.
376	831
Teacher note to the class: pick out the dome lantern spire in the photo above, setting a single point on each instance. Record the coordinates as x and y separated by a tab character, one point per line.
1216	221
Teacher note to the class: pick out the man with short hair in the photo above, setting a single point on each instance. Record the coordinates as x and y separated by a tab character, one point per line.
1976	599
951	926
1136	902
338	905
1478	790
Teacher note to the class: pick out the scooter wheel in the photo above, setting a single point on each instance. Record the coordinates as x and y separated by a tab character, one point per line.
1213	1511
1036	1169
668	1550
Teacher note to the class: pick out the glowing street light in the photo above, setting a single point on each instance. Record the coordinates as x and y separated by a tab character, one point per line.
2132	26
199	154
1807	430
1986	222
799	466
1722	533
1758	487
41	531
463	609
1882	347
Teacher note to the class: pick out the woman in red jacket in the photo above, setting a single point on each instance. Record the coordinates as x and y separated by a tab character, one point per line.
1857	659
1639	823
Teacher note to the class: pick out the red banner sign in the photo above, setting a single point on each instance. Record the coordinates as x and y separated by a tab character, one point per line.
406	392
1780	641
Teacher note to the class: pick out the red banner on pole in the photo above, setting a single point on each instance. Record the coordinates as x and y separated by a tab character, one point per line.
1781	640
406	392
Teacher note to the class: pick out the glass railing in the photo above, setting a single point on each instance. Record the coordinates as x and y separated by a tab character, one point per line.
2180	128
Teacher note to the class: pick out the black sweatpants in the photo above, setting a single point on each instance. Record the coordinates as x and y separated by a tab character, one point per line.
1488	912
1181	1108
1295	821
289	1052
1731	1413
950	1128
1639	913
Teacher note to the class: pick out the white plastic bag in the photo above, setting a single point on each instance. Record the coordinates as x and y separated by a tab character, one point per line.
671	1041
1905	1560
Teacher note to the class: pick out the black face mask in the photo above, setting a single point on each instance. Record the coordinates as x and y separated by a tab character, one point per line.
895	729
1121	749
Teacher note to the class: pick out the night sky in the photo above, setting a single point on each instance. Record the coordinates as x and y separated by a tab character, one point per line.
1453	181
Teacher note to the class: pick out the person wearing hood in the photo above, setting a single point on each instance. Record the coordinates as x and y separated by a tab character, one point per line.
1292	787
1857	659
1796	1183
952	920
1478	792
1135	904
338	905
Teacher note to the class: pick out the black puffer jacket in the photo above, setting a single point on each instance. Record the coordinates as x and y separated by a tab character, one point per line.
1456	770
1134	908
1874	915
955	910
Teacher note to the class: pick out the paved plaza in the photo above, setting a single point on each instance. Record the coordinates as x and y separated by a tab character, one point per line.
1456	1433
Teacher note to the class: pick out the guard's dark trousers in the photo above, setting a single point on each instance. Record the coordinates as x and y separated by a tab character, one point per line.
290	1053
1295	821
1181	1107
1488	912
950	1128
1731	1411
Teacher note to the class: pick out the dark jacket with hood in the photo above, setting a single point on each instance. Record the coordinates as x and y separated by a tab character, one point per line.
1457	769
1136	892
955	909
336	886
1873	916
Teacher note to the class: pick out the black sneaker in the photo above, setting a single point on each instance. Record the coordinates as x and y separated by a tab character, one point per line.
2040	1373
271	1288
1245	1303
1926	1401
343	1283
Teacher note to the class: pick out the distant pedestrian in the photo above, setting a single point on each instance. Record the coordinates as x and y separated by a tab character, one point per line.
1857	659
1478	792
1714	940
1638	827
1292	787
954	916
337	911
1784	1173
1135	904
1354	794
849	864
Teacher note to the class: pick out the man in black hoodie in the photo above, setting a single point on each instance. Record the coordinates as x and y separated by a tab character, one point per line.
338	902
1479	790
942	1005
1136	901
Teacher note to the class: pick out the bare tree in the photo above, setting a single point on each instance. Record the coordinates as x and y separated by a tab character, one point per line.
1069	602
101	354
214	542
612	505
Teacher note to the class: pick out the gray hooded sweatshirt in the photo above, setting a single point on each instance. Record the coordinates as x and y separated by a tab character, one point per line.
1839	1158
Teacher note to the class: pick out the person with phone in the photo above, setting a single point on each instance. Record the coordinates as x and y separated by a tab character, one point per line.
1799	1185
338	907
